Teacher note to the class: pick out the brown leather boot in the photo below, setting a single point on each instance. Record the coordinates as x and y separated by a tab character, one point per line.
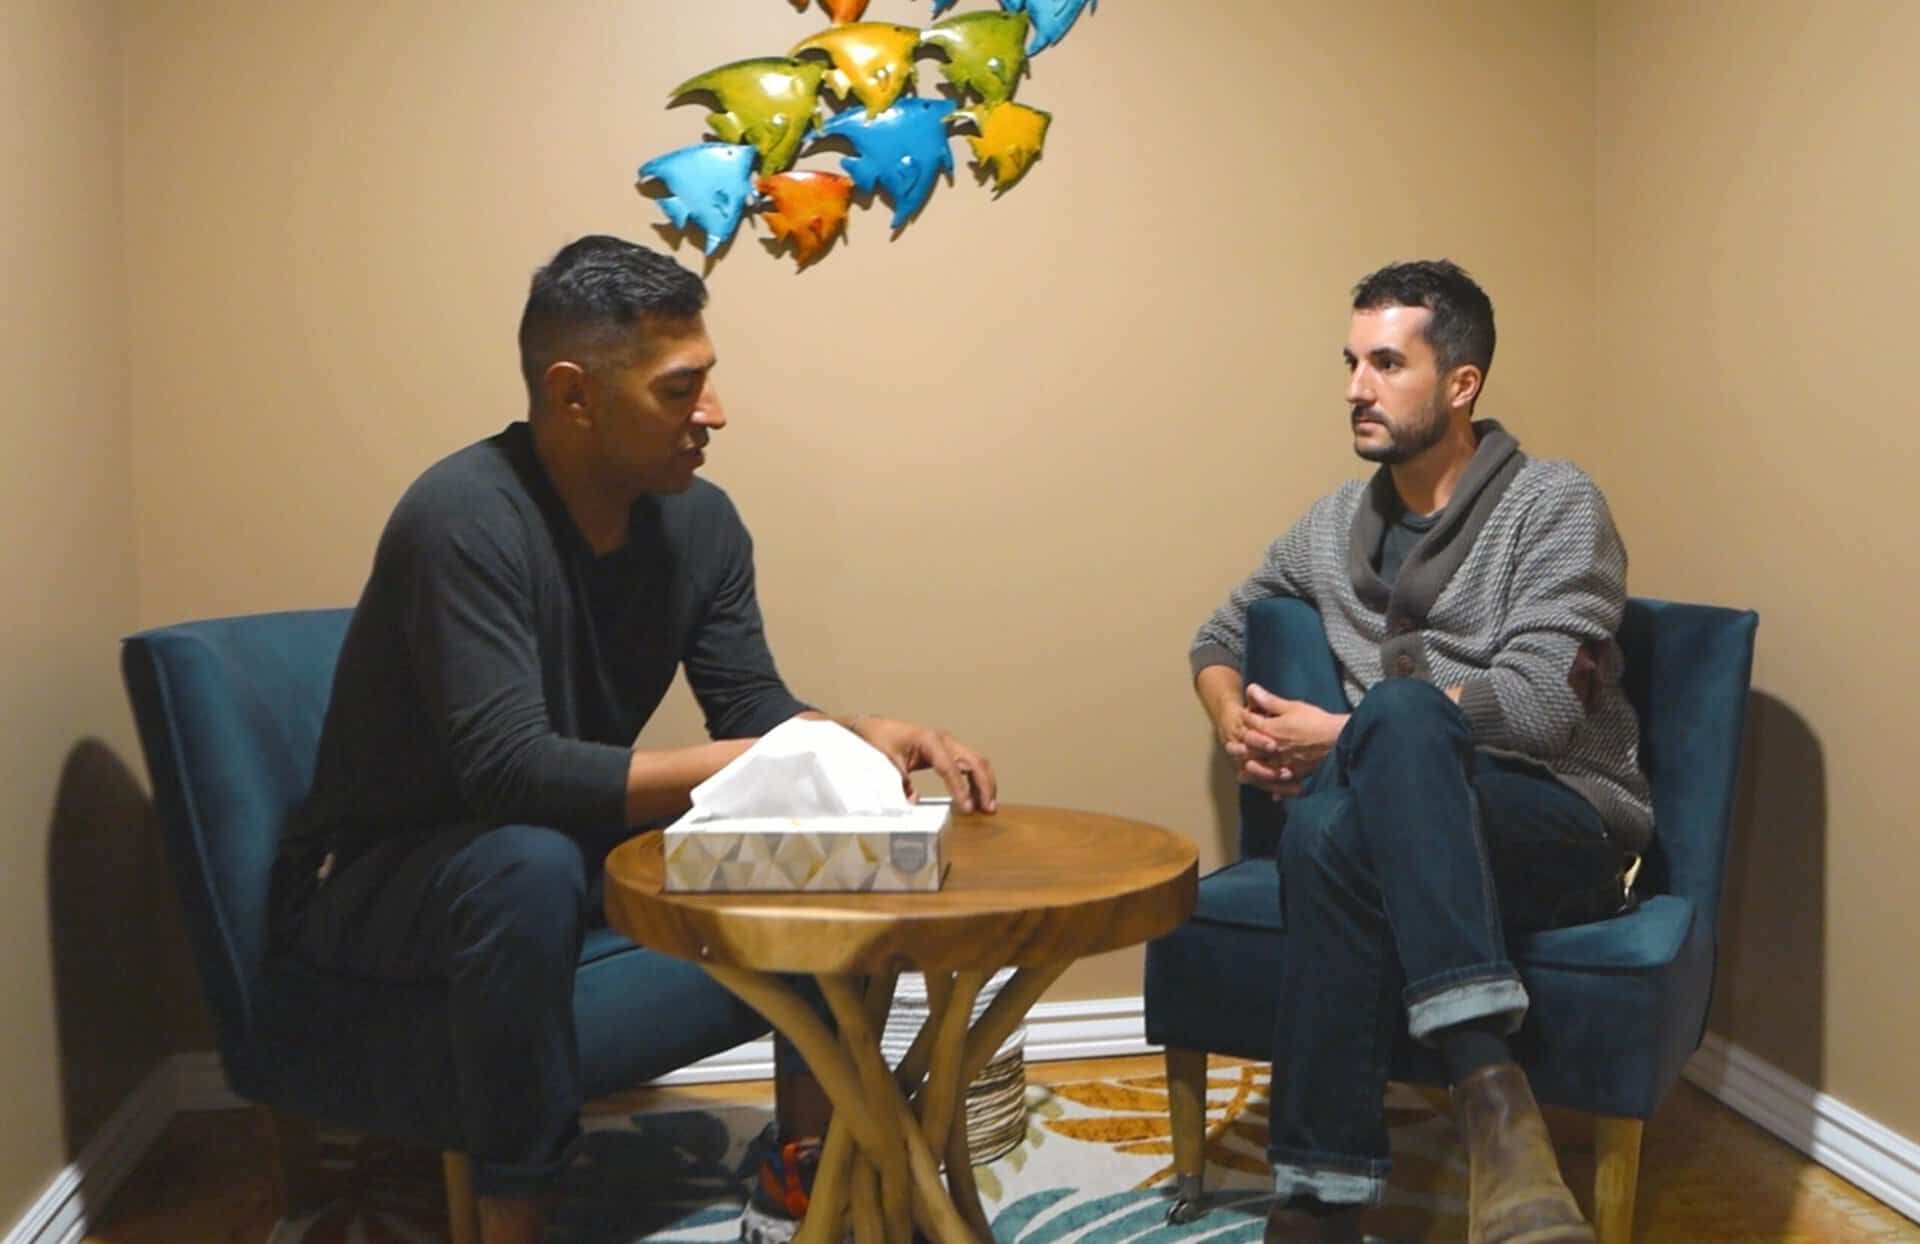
1517	1194
1297	1226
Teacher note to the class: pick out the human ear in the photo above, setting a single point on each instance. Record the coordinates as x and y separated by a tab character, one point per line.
1463	386
565	386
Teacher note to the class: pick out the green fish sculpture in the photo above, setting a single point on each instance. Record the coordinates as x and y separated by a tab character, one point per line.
767	103
986	52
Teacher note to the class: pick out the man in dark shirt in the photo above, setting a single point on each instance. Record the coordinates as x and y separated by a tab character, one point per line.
530	600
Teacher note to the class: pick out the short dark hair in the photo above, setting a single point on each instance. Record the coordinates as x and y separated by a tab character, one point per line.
586	300
1461	328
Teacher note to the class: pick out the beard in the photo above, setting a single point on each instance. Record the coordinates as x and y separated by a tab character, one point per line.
1409	439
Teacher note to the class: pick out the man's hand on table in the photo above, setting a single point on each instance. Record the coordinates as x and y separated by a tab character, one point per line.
968	774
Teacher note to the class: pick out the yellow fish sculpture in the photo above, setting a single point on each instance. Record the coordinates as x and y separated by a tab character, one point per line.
767	103
1010	138
872	61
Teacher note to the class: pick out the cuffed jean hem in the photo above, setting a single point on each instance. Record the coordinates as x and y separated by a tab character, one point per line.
501	1179
1468	1000
1333	1187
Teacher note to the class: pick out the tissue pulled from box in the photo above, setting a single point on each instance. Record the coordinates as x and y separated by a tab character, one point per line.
804	768
811	806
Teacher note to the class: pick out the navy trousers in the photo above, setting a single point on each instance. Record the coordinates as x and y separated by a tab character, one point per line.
499	913
1403	862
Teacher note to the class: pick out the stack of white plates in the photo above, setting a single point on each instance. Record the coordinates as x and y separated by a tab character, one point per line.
996	1100
997	1107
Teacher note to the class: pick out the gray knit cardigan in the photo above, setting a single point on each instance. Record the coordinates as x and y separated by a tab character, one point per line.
1514	596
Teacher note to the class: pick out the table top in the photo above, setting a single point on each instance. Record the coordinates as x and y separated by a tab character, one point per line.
1026	885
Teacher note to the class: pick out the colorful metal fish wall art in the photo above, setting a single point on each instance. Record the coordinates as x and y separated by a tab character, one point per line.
767	112
841	11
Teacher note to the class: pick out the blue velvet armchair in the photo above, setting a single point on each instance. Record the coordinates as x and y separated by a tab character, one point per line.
229	714
1618	1006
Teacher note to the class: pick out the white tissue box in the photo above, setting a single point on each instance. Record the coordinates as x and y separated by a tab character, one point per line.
814	854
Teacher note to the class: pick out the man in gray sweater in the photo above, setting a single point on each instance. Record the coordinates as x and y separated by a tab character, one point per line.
1487	778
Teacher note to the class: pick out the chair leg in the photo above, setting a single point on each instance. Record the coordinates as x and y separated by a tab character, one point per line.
463	1211
1616	1176
1187	1104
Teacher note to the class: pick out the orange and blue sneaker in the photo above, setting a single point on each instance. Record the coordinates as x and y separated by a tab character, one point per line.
782	1172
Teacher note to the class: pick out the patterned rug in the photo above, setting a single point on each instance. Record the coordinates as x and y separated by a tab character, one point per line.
1095	1168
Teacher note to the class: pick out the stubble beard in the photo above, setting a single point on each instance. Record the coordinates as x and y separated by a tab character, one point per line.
1406	442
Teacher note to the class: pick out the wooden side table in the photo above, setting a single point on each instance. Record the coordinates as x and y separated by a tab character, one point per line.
1034	888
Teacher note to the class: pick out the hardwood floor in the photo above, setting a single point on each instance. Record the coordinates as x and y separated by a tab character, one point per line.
210	1178
1707	1174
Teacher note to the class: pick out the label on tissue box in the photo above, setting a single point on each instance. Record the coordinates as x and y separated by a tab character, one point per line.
816	854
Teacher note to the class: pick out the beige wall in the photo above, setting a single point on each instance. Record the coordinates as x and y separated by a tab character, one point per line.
1758	178
998	470
1000	467
67	560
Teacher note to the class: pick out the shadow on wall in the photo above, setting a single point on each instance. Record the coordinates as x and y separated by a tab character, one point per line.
125	993
102	849
1768	998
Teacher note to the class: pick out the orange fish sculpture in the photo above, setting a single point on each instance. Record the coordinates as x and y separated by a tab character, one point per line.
841	11
807	208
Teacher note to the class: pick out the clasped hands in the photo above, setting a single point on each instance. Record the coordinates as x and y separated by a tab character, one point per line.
1275	743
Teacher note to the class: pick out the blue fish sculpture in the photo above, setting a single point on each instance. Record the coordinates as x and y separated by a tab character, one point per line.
709	185
903	151
941	6
1052	19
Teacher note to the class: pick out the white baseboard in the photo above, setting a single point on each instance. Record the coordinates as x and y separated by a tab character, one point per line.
1877	1159
1096	1028
752	1061
1101	1028
74	1199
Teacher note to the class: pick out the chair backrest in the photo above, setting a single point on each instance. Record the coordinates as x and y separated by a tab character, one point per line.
1688	668
1687	671
229	712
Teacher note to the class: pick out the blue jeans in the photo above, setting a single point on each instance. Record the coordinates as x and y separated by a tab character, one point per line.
1403	862
500	914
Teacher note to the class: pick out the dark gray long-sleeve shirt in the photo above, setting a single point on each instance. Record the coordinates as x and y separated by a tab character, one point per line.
496	670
